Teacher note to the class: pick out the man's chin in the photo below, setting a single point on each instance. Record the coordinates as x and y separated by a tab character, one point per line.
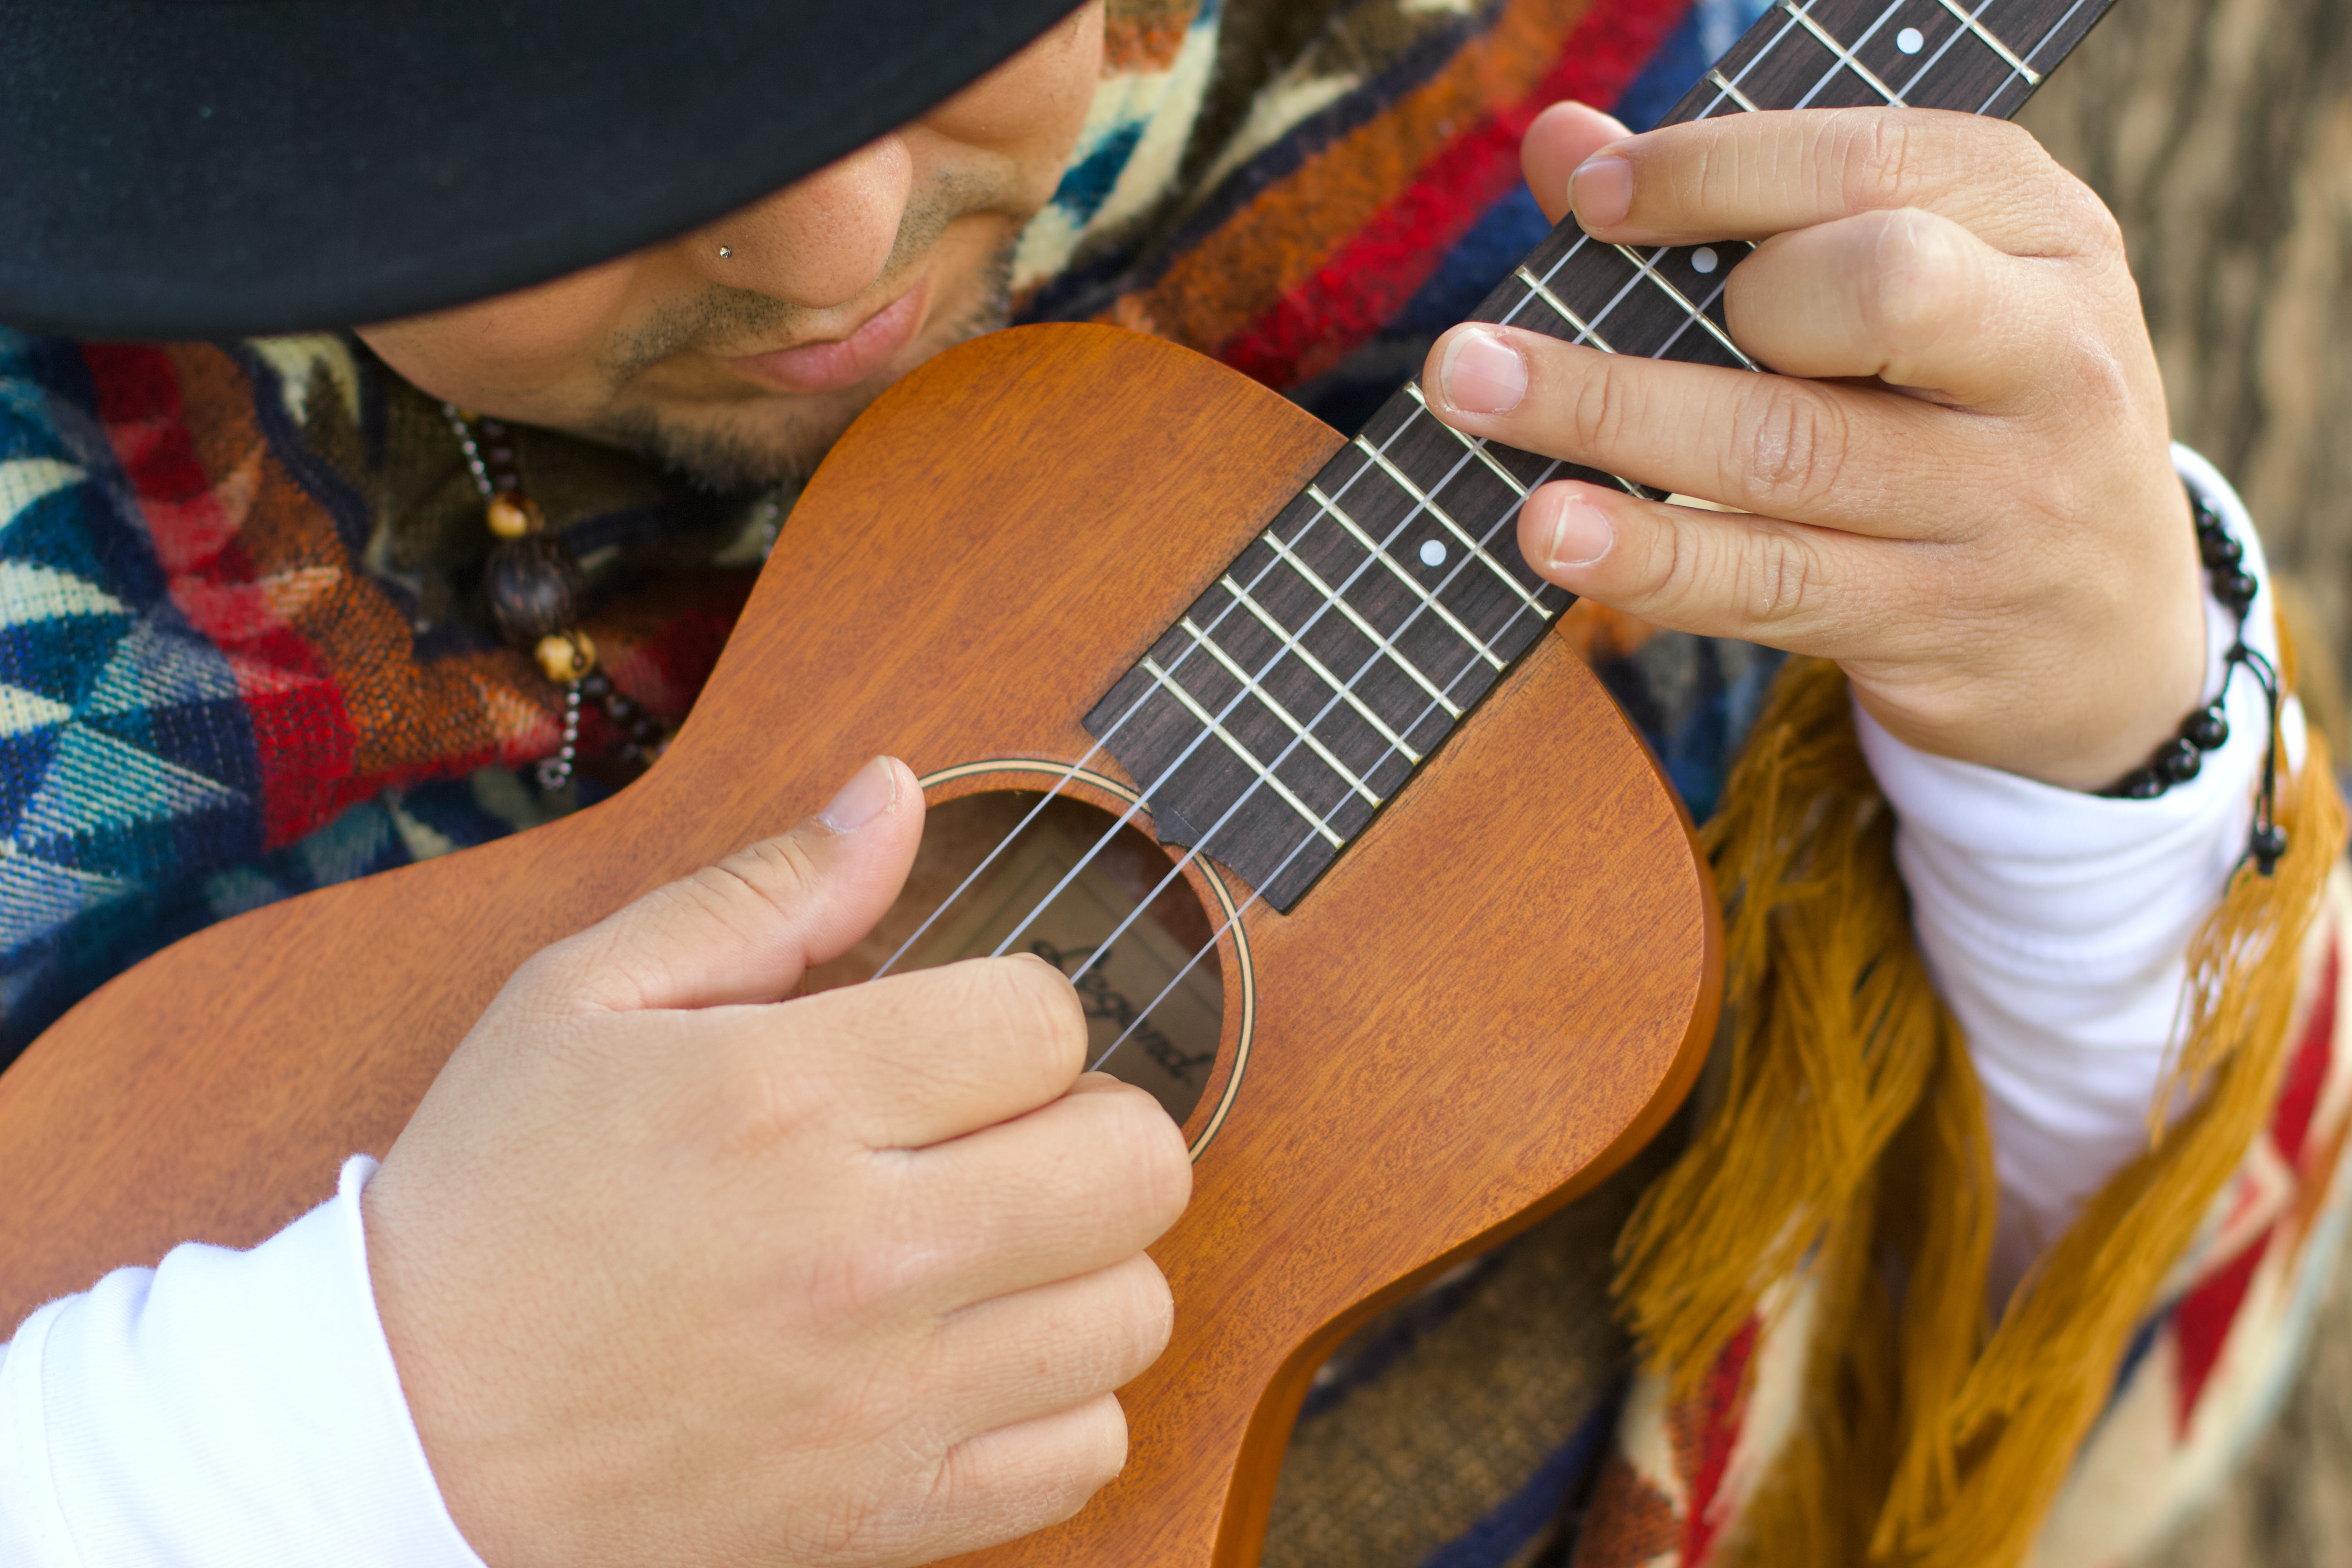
743	448
781	439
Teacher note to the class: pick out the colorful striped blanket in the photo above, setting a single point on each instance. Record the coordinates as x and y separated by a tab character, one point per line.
243	654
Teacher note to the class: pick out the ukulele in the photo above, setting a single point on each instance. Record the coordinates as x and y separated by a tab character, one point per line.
1252	728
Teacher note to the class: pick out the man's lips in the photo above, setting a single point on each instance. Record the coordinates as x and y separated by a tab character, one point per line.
830	367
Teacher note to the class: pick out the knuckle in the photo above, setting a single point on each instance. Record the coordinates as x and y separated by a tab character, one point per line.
774	875
1674	566
602	969
2001	151
1780	579
1597	413
1025	1004
751	893
868	1271
1917	273
1710	177
877	1522
1157	1168
1044	1003
1895	157
1880	157
1119	1328
542	980
759	1102
2086	219
1796	443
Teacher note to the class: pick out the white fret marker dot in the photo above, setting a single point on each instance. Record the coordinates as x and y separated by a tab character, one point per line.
1910	40
1702	260
1433	552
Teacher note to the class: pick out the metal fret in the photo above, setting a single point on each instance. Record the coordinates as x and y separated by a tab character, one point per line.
1233	669
1293	645
1345	722
2033	78
1441	515
1728	89
1209	723
1844	55
1696	313
1405	577
1713	295
1477	446
1315	581
1583	329
1544	287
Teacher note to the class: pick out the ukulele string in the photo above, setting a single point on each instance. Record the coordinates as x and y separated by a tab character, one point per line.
1254	684
1267	772
1255	893
1478	443
1018	828
1230	920
1474	448
1304	843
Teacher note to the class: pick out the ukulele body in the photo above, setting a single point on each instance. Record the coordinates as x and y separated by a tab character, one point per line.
1499	992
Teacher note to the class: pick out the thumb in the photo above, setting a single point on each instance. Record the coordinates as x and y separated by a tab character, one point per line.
745	930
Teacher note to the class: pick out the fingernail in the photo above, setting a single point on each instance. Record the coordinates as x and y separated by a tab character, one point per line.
871	791
1580	533
1601	190
1482	374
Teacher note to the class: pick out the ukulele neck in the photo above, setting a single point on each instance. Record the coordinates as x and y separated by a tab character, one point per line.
1333	657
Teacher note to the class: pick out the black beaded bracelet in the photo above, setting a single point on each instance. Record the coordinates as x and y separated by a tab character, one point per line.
2179	759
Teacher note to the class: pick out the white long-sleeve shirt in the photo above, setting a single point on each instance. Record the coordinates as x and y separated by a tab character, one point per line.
2056	924
242	1408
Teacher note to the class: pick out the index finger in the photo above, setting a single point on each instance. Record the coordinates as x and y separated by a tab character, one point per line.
1750	176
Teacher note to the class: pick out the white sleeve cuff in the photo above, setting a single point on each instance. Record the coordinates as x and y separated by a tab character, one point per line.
2056	923
227	1408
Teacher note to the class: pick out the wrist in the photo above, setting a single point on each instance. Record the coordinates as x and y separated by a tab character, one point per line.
2159	664
2231	595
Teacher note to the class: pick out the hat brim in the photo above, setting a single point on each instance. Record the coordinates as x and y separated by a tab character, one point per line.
252	166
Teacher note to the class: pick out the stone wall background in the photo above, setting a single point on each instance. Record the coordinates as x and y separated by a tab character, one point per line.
2219	132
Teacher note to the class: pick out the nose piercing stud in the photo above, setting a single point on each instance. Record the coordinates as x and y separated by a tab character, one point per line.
724	252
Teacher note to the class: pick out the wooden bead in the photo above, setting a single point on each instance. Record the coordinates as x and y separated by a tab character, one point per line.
534	588
566	657
514	516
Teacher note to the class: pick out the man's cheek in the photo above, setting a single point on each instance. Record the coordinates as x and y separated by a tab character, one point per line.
531	354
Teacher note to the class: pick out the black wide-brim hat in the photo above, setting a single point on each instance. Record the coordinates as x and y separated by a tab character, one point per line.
219	168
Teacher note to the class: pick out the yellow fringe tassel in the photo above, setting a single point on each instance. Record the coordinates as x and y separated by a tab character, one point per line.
1850	1148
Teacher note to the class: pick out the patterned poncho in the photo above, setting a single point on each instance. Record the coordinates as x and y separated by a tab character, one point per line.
243	651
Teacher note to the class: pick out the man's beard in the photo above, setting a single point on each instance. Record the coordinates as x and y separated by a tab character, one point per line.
725	455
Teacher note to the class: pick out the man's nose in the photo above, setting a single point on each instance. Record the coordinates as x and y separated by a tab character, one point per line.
820	241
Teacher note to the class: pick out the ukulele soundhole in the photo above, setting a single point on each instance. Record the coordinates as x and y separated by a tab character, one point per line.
1128	928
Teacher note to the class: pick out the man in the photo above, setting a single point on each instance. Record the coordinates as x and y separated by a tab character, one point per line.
665	1269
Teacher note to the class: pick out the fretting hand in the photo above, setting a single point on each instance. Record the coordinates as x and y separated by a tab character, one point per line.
1967	500
677	1272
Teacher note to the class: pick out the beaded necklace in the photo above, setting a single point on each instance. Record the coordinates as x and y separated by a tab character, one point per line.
535	591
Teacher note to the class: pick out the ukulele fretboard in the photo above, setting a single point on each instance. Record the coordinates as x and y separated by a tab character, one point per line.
1334	655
